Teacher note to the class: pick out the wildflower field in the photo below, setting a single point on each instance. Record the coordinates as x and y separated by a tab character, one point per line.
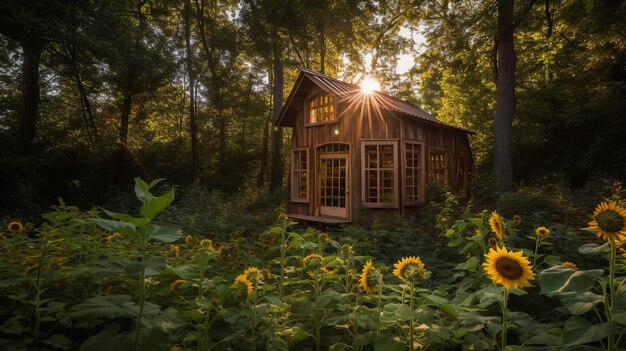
103	280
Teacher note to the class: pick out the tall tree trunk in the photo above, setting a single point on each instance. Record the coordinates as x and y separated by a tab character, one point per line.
278	168
505	100
193	123
322	50
127	105
244	116
31	54
263	173
86	109
216	84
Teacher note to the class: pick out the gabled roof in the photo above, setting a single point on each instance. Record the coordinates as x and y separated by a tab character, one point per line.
346	91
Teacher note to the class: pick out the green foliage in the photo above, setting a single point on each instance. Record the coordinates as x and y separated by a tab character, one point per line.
127	283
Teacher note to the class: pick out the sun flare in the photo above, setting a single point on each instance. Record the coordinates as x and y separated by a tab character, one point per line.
369	85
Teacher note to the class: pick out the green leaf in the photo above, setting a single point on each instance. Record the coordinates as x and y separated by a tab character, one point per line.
489	294
109	306
387	343
577	330
580	303
293	335
186	271
620	318
397	312
140	222
116	226
469	265
476	221
152	207
329	298
142	190
443	304
164	233
593	248
107	340
552	337
561	279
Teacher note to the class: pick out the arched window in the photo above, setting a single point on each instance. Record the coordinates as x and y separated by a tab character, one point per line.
322	108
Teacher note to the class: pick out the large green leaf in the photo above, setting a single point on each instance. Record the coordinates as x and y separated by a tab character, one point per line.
580	303
593	248
397	312
142	190
164	233
152	207
109	306
577	330
563	279
329	298
116	226
387	343
489	295
443	304
140	222
107	340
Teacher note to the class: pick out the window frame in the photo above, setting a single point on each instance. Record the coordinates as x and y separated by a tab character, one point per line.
439	150
292	173
364	169
422	172
307	106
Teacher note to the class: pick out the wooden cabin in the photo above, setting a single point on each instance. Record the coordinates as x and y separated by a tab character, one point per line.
355	153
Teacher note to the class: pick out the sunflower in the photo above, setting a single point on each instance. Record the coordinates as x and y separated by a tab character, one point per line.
312	259
609	220
243	281
188	239
508	268
15	226
176	283
251	272
493	242
517	219
329	269
175	249
569	264
365	275
542	232
208	244
410	269
495	221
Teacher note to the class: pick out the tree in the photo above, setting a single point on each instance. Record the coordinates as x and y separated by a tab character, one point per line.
193	123
505	101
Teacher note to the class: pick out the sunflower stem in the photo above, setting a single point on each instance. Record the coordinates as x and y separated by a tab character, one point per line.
612	254
504	317
411	321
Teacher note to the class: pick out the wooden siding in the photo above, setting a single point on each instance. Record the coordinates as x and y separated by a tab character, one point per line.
355	125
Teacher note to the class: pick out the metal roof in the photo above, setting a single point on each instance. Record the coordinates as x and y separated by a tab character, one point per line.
387	102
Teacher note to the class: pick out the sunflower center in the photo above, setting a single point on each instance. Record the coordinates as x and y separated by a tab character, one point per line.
509	268
610	221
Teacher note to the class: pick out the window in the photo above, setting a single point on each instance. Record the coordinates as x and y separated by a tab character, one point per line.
413	173
322	109
379	186
300	175
438	166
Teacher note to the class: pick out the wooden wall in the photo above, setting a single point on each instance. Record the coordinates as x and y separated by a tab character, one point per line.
360	122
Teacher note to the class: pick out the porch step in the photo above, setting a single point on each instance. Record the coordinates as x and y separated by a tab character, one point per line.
317	219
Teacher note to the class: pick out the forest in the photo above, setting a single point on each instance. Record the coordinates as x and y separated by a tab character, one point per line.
145	186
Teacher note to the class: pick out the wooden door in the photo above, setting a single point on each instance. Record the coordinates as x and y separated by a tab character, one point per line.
334	185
